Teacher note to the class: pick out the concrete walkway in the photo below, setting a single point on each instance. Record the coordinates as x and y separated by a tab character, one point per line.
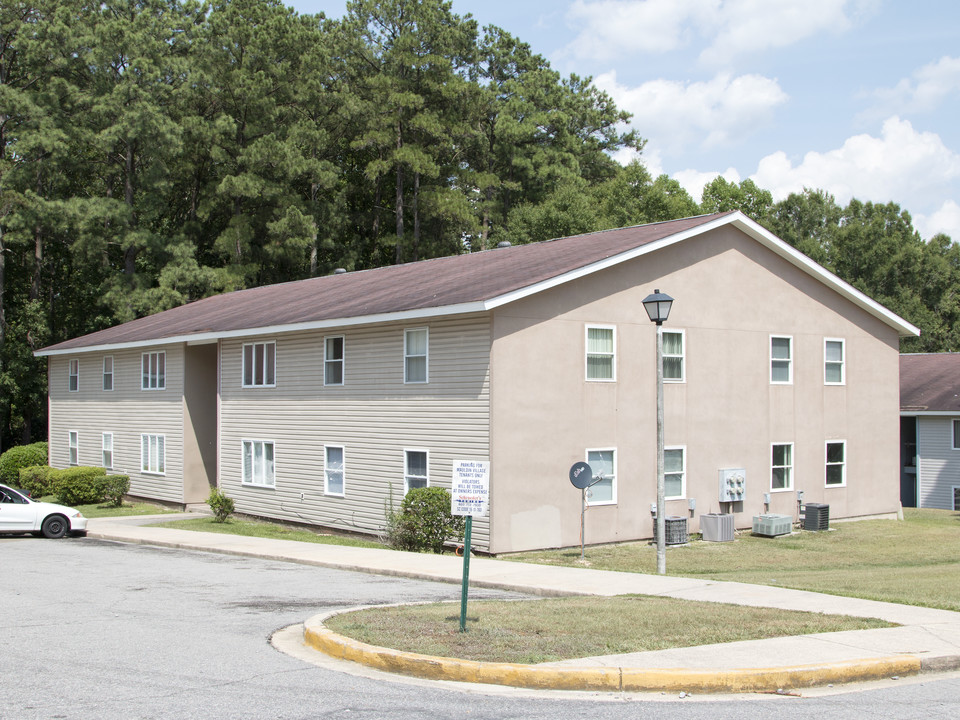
927	640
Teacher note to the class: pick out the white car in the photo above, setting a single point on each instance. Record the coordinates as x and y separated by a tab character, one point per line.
20	514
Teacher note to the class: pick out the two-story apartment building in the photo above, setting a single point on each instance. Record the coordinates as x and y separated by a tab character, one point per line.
317	401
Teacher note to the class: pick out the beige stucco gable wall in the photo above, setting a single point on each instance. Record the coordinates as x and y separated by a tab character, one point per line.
731	295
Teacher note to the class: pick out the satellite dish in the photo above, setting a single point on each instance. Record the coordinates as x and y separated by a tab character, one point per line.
581	475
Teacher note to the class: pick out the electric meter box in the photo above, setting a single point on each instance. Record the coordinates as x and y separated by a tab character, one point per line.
733	484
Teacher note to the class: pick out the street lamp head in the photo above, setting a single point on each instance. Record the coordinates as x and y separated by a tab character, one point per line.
658	306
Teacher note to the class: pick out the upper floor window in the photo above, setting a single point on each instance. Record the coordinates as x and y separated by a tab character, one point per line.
415	473
415	352
260	364
601	353
108	372
333	470
106	445
781	359
781	467
153	454
675	472
603	463
333	360
74	447
73	382
836	463
673	365
956	434
153	371
833	362
258	463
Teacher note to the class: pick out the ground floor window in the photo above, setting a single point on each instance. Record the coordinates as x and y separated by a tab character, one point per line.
836	463
107	447
956	497
333	470
781	466
152	454
415	474
258	463
74	445
674	472
603	463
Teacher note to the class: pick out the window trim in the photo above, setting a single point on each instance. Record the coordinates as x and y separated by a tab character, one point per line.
161	377
612	355
107	374
73	447
955	425
827	464
254	370
789	360
73	375
343	470
406	467
792	467
616	473
248	482
407	356
683	473
145	467
842	362
683	355
341	360
104	450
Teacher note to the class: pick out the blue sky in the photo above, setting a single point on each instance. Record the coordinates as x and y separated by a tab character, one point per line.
857	97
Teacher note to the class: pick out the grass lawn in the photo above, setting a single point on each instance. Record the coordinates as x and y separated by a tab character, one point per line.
98	510
273	531
534	631
915	562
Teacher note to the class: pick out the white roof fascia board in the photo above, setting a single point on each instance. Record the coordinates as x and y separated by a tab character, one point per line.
930	413
794	256
209	337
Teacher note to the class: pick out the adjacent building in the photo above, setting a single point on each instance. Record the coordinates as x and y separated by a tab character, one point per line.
323	400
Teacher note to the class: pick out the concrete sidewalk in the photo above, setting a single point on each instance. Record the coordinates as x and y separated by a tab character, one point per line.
927	640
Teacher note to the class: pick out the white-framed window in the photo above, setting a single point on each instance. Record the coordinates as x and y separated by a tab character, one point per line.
259	467
603	463
781	359
333	360
73	445
108	372
416	473
333	470
781	466
106	445
956	433
153	370
416	344
153	454
836	464
260	364
675	472
673	356
956	497
834	358
73	375
601	353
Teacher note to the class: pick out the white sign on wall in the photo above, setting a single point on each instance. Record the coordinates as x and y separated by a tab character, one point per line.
470	494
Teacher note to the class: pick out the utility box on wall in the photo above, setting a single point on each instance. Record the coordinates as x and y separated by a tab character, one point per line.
733	484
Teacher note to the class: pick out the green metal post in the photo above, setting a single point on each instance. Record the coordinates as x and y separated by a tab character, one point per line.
466	573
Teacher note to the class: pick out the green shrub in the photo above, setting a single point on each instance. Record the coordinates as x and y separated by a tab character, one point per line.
114	488
35	480
221	505
19	457
78	485
424	521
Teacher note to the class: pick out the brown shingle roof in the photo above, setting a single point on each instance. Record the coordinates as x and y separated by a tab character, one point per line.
930	383
437	283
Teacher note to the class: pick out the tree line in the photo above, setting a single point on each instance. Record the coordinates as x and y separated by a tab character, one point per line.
154	152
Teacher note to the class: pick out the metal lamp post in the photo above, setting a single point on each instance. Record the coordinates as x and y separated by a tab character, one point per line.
658	309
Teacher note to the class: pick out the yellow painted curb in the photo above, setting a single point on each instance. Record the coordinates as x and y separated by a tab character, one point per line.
617	679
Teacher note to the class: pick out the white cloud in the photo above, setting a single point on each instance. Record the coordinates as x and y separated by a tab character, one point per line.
674	115
729	28
924	91
945	220
693	181
902	165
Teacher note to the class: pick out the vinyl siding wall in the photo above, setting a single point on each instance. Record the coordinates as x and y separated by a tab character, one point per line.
939	463
373	416
126	411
